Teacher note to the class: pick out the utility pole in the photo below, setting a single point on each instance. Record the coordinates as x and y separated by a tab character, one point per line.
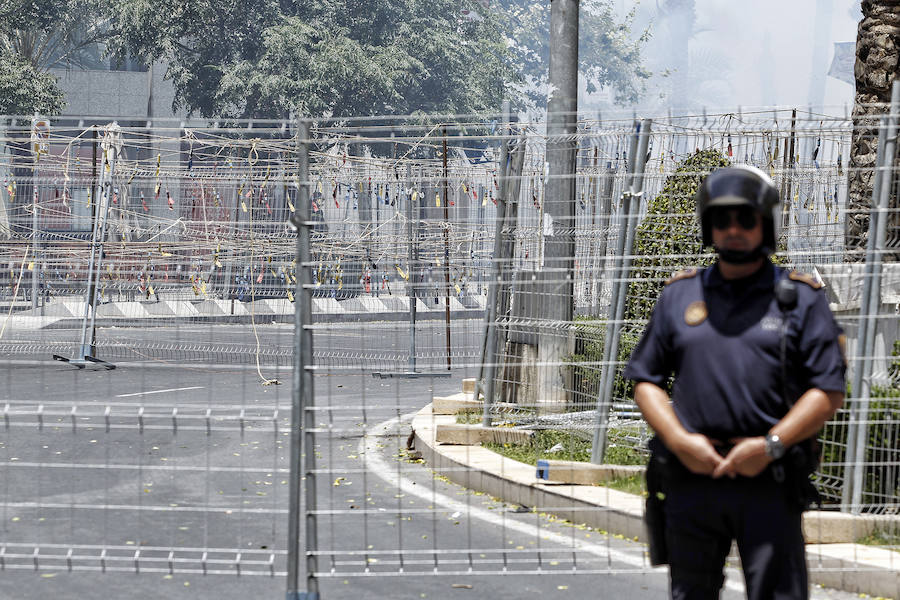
559	205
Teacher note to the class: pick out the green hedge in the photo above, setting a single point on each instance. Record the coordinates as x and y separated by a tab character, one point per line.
667	240
881	479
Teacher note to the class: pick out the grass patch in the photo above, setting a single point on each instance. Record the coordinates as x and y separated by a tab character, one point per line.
885	539
573	448
469	417
576	449
633	484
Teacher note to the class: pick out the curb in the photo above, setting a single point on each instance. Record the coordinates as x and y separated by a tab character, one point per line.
846	566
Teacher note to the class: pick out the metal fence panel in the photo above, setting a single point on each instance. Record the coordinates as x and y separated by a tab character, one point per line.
178	462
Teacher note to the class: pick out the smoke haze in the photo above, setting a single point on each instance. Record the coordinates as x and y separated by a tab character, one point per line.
729	53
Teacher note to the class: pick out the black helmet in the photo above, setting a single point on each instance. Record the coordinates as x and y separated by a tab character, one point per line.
734	186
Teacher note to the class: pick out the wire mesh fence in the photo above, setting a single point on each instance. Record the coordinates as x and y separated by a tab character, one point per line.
170	250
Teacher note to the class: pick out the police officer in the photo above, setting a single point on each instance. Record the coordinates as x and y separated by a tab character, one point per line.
758	369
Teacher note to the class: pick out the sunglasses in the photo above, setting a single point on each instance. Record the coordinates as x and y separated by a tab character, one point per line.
721	217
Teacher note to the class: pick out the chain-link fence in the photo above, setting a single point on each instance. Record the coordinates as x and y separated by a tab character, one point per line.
434	252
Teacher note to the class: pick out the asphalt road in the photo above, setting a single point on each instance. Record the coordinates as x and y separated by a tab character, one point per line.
370	345
142	470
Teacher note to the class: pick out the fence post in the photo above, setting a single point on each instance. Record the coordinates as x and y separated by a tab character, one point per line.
515	166
856	372
488	356
446	227
628	219
869	303
302	399
412	229
86	351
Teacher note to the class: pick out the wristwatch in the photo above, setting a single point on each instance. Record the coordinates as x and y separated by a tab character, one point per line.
774	447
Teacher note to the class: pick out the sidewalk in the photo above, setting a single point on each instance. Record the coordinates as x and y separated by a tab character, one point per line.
834	559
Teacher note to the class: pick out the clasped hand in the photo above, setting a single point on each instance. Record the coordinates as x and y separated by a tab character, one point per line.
747	457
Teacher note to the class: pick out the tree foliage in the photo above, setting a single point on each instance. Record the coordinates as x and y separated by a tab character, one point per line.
25	90
667	240
36	35
263	58
607	54
47	33
266	58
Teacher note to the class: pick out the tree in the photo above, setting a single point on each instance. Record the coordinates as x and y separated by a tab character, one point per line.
266	58
262	58
877	46
36	35
25	90
607	55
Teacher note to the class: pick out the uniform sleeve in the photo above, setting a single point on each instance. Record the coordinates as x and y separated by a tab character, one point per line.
820	348
651	359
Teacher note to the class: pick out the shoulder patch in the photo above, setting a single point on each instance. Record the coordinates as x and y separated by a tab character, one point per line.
805	278
684	274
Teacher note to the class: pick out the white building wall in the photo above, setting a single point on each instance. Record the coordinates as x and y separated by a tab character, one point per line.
117	94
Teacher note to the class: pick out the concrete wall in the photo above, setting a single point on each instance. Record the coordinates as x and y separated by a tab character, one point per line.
117	93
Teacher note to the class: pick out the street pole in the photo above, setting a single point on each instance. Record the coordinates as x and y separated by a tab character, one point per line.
412	229
446	251
485	379
34	236
303	456
559	205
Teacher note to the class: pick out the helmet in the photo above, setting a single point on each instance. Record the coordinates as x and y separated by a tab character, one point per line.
734	186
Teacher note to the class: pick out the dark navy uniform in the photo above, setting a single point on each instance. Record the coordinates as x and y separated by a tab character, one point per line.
721	339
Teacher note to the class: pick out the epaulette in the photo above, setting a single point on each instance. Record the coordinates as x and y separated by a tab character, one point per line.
683	274
805	278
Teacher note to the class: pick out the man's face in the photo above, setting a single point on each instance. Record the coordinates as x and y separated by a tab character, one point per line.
736	228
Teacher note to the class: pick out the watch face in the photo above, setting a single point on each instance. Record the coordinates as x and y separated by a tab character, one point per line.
774	447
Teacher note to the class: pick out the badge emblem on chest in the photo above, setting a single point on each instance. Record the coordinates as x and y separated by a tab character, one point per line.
695	313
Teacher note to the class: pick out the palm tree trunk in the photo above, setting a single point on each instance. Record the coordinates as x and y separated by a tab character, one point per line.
877	54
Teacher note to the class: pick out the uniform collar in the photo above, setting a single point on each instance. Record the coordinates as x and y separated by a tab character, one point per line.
762	278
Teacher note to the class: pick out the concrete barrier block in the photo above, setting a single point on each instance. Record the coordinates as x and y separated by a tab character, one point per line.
157	309
394	304
829	527
371	304
132	310
260	307
76	307
210	308
580	473
110	309
452	405
327	306
239	308
280	306
470	435
353	305
183	308
59	309
854	568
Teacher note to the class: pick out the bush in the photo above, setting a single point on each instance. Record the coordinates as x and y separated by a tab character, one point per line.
881	478
25	90
667	240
